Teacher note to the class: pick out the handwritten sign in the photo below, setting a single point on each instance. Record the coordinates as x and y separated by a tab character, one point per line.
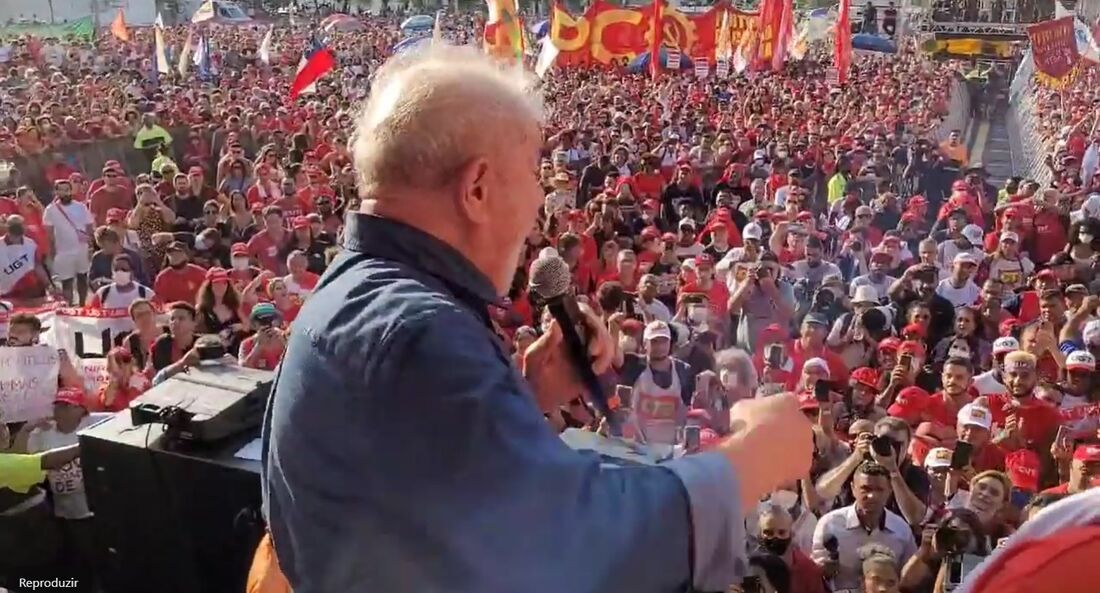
28	382
94	372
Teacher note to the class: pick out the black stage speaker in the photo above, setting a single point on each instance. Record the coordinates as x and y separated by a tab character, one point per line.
171	520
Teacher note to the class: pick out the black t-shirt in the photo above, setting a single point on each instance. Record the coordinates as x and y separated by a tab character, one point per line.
915	478
163	352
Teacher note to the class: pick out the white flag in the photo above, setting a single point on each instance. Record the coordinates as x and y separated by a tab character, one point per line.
702	68
200	51
547	55
159	23
265	46
185	56
162	56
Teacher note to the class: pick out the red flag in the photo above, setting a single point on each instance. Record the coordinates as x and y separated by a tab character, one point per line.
316	62
783	35
843	42
658	36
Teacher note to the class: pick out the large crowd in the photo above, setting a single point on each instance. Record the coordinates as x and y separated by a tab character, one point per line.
741	238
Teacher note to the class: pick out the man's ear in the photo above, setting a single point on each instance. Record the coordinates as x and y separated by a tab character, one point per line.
472	191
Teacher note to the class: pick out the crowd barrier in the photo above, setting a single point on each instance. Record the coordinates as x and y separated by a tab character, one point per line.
90	158
958	111
1029	147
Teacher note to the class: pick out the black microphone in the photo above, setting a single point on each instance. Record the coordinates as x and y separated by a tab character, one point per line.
551	280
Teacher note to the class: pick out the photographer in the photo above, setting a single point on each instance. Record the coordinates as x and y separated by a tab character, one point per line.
888	447
918	284
950	548
264	349
762	299
855	335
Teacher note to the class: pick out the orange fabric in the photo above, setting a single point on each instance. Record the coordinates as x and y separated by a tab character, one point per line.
265	576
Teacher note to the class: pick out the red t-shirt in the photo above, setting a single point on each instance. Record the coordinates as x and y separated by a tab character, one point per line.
838	371
264	249
1040	419
269	357
183	284
718	296
647	185
105	198
1050	235
124	395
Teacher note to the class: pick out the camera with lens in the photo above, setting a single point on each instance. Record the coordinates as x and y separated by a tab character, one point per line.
210	347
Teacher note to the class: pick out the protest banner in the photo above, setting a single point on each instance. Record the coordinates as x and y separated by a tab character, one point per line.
84	332
94	373
28	382
1053	49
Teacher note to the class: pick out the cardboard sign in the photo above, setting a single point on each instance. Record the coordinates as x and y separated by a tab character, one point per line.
28	382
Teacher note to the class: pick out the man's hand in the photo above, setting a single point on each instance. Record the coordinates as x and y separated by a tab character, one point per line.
890	462
772	424
547	367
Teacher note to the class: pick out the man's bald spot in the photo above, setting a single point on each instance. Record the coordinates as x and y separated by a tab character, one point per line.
433	112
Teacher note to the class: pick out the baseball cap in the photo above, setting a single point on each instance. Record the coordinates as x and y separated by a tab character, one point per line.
909	404
115	215
972	415
239	249
816	319
70	396
915	329
807	401
817	363
1004	345
965	257
1088	453
911	347
1091	334
1010	236
938	458
865	376
892	344
1080	360
752	231
656	329
1022	467
973	234
261	311
217	275
882	255
1020	360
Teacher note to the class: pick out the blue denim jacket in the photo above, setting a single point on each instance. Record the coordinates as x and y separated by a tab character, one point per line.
404	452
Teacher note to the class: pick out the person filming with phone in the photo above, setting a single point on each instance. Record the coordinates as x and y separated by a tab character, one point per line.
265	348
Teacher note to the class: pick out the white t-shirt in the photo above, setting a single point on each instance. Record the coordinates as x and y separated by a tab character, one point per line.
1013	274
69	238
66	483
16	261
119	299
959	297
881	288
987	384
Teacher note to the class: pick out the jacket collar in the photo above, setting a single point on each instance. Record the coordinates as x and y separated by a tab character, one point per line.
397	241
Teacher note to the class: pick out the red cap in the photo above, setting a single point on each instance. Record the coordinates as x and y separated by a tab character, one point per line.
650	233
890	343
300	222
1088	453
909	216
1012	212
1046	274
704	259
1008	325
1022	467
865	376
217	275
910	403
805	215
116	215
914	329
911	347
918	200
762	215
239	249
808	401
69	395
574	215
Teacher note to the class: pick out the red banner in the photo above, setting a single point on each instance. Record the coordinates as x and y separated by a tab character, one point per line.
1053	47
607	33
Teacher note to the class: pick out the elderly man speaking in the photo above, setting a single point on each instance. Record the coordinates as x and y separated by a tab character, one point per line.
404	452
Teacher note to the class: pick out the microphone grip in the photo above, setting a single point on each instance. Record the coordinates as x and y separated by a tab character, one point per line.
568	315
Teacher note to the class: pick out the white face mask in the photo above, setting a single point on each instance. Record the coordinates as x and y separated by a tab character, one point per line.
240	263
1085	238
121	277
628	344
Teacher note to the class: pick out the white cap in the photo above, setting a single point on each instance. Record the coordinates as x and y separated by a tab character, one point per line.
1010	236
1080	360
758	155
1091	334
865	294
972	415
817	363
973	234
752	231
938	457
1006	344
548	252
656	329
965	257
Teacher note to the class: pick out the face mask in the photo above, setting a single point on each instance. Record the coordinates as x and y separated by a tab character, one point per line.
121	277
1082	237
775	545
240	263
781	154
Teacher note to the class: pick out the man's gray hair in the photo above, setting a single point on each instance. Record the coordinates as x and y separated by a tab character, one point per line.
739	363
432	111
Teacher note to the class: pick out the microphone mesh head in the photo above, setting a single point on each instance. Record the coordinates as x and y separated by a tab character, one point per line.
549	277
